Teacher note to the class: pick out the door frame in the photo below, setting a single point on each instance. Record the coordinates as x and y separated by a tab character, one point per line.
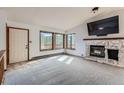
7	41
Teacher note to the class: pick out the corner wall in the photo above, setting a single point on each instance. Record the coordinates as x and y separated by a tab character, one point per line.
80	45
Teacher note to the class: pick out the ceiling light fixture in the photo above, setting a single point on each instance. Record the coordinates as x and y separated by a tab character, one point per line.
95	9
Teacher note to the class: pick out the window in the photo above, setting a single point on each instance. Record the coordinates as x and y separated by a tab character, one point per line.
71	41
59	40
51	40
46	40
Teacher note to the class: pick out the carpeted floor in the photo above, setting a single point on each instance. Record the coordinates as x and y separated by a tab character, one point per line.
63	70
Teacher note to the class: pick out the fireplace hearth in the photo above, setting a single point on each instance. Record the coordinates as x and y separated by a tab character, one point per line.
97	51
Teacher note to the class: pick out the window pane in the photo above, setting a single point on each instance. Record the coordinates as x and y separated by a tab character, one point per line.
59	41
46	40
71	41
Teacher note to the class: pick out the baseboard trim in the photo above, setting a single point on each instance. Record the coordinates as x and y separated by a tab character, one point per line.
50	55
45	56
74	55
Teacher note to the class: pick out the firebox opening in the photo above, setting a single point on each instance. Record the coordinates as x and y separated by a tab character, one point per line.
112	54
97	51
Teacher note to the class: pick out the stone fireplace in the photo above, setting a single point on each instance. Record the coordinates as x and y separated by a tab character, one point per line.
109	51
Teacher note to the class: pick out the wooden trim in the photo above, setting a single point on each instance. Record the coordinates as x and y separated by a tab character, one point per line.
28	45
7	44
55	40
46	31
113	38
64	41
18	28
7	41
58	33
40	41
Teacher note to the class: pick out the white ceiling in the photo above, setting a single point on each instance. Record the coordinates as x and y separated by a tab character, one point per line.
62	18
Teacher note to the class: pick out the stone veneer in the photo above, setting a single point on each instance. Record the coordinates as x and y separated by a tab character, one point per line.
109	44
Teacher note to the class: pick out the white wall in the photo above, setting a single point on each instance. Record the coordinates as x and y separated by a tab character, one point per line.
2	31
3	20
82	32
34	37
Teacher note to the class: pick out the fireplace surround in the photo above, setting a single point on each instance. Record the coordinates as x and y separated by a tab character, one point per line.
113	51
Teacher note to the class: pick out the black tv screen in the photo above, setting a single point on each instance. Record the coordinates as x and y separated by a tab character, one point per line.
104	26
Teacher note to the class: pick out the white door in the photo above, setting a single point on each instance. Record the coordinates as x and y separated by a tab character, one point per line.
18	41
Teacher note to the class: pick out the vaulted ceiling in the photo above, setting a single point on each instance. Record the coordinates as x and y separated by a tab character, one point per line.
62	18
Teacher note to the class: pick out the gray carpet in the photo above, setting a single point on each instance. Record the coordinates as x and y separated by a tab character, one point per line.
63	70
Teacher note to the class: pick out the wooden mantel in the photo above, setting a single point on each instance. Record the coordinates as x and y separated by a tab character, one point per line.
1	65
111	38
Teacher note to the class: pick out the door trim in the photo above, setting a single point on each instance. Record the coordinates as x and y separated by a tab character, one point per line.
7	41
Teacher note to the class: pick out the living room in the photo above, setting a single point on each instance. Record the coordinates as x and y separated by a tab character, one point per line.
98	38
62	46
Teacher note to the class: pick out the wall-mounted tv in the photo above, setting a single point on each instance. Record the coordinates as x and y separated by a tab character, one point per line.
104	26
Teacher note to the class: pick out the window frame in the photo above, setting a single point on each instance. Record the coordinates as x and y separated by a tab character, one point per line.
40	40
67	41
55	40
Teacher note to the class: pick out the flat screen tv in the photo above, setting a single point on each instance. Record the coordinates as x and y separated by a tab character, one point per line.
104	26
